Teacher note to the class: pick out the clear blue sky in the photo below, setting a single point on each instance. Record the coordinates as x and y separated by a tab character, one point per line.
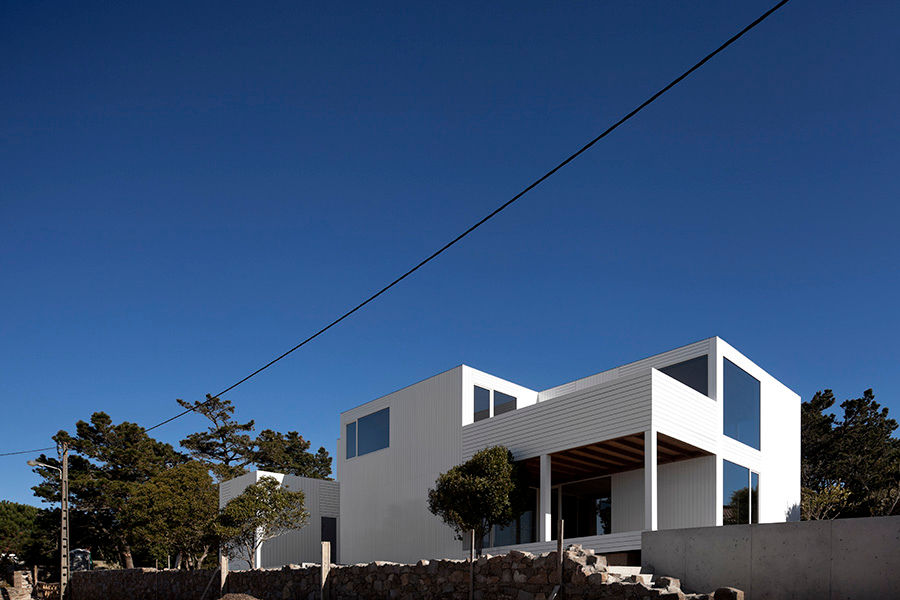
186	191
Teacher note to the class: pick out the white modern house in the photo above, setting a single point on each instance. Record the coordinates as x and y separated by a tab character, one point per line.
322	501
697	436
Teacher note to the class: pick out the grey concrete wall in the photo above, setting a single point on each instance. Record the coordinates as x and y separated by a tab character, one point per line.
841	560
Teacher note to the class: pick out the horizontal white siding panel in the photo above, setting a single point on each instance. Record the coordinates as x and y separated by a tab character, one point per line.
611	542
635	368
606	411
683	413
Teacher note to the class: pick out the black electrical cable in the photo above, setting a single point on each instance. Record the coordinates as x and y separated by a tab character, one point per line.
496	211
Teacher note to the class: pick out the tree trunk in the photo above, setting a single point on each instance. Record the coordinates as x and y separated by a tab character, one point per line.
178	560
127	558
202	557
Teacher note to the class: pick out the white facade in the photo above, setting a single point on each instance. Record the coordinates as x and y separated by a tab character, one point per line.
657	447
322	501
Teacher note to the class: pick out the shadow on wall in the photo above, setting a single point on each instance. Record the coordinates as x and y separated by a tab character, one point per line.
792	514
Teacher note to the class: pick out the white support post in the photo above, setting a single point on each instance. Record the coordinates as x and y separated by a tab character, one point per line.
720	499
650	500
545	522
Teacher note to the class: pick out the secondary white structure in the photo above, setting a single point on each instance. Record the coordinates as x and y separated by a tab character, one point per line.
322	499
696	436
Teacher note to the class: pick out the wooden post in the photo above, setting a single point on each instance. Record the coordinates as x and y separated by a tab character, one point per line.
223	572
472	565
325	569
34	577
560	537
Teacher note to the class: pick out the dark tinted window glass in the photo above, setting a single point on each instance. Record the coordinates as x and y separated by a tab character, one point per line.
754	497
374	431
482	403
329	534
735	494
741	404
692	373
351	439
503	403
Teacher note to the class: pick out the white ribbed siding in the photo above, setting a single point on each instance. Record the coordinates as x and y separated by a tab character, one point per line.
627	501
685	414
687	493
304	544
322	499
613	542
657	361
602	412
384	493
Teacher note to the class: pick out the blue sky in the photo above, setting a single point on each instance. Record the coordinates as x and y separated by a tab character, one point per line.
187	191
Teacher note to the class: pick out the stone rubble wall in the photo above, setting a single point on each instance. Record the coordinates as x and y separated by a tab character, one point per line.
512	576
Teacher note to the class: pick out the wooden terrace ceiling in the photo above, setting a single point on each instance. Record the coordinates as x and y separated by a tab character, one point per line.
610	456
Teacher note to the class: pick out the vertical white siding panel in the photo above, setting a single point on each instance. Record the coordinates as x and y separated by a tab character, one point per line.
384	494
687	493
627	491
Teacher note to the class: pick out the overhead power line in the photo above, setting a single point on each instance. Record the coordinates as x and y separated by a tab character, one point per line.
28	451
497	210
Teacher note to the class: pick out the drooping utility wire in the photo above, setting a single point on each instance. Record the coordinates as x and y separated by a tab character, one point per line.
28	451
496	211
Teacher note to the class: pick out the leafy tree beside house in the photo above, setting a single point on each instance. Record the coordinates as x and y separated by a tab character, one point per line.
850	463
261	512
174	514
486	490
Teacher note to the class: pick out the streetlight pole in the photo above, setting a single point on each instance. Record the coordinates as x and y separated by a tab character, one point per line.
63	450
64	521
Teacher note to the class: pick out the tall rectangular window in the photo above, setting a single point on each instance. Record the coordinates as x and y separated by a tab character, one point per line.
693	373
740	495
735	494
374	431
482	403
741	404
350	439
503	403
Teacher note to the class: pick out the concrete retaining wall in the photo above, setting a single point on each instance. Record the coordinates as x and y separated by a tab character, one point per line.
837	560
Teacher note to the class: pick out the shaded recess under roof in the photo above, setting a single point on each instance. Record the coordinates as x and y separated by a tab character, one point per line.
611	456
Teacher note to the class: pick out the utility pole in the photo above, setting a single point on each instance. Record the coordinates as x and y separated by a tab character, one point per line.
64	520
63	450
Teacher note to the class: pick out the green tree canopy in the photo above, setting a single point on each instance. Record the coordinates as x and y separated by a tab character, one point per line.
17	527
228	448
486	490
850	464
108	462
262	511
174	513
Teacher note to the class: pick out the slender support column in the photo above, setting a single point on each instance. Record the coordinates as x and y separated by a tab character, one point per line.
545	522
650	504
719	496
